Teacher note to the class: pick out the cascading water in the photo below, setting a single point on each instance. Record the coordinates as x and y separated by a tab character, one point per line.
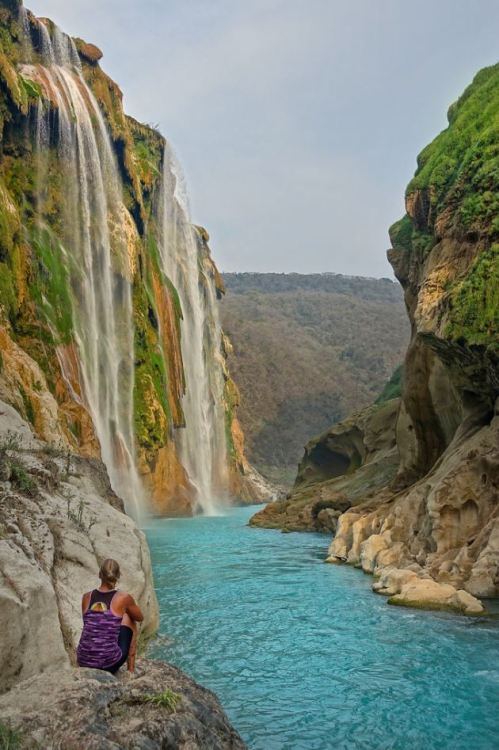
93	248
202	443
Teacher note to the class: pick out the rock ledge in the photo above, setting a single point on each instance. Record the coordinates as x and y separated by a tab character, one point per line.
86	709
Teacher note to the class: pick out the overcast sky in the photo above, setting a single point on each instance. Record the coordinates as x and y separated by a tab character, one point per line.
297	122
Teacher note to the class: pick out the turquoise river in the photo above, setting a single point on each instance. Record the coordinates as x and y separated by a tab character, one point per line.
303	656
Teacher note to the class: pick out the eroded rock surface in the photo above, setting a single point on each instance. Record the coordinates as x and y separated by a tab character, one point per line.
59	518
429	527
340	468
86	709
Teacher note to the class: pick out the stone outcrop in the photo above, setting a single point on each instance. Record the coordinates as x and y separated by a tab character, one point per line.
85	709
339	469
430	534
59	518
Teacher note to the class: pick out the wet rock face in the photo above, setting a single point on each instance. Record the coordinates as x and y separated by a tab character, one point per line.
86	709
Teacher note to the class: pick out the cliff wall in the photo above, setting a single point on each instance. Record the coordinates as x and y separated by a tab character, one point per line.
430	533
48	98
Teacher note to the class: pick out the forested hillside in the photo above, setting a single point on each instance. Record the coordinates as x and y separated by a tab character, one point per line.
307	350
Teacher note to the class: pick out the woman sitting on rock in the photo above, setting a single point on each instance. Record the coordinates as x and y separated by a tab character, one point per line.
109	636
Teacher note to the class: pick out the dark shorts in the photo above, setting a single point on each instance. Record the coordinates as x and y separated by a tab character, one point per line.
124	640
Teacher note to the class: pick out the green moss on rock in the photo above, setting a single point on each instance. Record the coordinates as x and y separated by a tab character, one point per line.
50	284
393	389
474	305
462	162
151	409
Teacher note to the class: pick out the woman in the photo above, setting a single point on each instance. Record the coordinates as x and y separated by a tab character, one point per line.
109	635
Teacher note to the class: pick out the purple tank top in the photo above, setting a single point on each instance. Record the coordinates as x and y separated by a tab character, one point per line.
98	647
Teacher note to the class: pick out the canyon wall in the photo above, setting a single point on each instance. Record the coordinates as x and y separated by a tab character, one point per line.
96	339
426	520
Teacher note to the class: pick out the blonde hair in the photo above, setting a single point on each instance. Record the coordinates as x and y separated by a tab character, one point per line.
109	572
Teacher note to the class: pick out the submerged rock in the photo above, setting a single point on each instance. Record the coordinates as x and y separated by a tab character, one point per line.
158	707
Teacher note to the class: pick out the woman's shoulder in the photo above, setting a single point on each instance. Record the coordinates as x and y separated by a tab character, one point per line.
122	594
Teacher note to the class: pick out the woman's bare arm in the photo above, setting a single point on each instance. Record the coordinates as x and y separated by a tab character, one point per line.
84	602
133	609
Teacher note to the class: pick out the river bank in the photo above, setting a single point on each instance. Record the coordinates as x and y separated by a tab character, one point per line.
302	655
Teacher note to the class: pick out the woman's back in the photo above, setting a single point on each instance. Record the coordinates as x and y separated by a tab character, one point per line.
98	646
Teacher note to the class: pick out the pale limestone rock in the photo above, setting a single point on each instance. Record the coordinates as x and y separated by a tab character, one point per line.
23	381
393	556
428	594
391	580
483	577
370	550
53	537
339	547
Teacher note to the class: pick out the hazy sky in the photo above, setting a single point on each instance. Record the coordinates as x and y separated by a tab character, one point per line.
297	121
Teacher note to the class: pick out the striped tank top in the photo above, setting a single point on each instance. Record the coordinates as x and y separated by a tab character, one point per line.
98	647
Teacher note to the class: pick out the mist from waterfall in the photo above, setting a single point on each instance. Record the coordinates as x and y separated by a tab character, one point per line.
94	251
202	442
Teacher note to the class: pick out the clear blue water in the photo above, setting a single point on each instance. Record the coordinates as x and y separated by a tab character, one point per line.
303	656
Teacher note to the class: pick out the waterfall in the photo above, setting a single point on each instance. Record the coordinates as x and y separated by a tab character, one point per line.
93	250
202	442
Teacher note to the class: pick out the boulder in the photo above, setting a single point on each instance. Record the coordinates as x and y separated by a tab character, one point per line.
157	707
425	593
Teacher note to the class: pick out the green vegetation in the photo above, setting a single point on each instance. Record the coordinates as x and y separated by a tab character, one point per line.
462	162
393	389
456	188
308	350
20	477
9	738
8	299
78	516
401	233
474	302
231	400
32	89
167	699
151	376
146	160
50	284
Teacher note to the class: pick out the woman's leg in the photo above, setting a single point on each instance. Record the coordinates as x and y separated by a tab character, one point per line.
129	623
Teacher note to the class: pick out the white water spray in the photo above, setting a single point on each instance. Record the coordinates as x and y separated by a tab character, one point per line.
202	443
101	295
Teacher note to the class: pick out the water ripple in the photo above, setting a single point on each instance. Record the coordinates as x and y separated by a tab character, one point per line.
304	657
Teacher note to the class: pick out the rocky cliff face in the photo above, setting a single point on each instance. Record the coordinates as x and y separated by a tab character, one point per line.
431	534
59	518
90	324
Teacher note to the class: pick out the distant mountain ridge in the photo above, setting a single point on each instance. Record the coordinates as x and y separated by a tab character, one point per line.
241	282
308	349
